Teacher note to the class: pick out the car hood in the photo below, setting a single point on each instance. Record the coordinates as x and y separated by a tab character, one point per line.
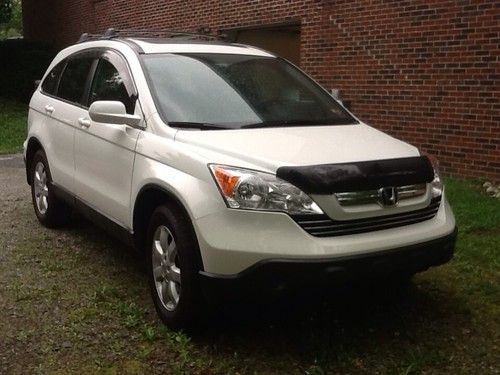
271	148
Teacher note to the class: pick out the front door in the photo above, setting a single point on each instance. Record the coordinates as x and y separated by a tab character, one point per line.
104	153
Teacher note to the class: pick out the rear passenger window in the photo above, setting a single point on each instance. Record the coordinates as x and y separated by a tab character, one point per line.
49	85
74	78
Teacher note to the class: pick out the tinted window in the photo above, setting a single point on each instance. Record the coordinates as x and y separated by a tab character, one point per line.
72	84
50	82
109	84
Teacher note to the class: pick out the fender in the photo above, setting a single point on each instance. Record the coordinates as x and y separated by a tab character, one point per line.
32	146
198	196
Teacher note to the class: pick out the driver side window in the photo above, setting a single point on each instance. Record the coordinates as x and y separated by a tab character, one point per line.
109	84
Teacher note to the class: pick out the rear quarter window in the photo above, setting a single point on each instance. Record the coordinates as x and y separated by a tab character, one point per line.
50	83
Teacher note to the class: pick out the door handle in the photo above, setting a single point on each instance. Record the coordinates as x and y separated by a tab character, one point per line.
84	122
49	109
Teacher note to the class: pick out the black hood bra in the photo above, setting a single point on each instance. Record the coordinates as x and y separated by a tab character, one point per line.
357	176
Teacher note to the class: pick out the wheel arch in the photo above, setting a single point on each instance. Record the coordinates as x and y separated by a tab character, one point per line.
148	198
33	146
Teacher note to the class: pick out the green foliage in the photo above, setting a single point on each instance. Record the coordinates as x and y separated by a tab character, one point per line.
5	10
13	118
11	19
21	63
477	257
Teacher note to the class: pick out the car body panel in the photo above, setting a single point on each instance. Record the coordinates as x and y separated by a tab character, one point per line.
272	148
104	162
55	131
164	163
228	247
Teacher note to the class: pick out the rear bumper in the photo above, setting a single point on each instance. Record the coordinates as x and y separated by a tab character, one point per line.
276	274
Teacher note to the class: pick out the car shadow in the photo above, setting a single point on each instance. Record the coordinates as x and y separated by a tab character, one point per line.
314	325
320	326
307	323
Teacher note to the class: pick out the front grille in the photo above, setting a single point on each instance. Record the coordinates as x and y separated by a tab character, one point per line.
354	198
323	226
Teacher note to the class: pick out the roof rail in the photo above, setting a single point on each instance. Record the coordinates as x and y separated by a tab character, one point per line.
112	33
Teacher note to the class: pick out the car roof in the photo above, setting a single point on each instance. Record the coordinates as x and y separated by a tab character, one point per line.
171	41
181	45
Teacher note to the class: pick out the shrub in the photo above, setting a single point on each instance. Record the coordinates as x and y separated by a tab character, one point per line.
21	63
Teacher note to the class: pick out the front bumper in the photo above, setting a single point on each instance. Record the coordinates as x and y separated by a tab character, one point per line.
278	274
232	241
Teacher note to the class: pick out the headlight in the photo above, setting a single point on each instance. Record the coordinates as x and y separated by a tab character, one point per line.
253	190
436	184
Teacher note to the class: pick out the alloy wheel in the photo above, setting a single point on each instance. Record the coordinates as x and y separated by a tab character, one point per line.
166	273
41	188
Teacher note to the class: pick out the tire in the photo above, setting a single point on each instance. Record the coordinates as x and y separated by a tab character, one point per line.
50	210
173	262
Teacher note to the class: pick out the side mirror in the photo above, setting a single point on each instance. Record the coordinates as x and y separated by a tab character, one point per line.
112	112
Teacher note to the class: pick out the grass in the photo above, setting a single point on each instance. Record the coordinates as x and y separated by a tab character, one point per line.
75	301
477	260
13	120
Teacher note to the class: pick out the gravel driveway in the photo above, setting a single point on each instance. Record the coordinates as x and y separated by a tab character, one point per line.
14	197
48	316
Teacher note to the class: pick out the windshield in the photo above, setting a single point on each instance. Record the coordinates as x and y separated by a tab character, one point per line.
227	91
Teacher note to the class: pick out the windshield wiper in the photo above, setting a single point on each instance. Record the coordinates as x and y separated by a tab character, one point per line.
286	123
263	124
197	125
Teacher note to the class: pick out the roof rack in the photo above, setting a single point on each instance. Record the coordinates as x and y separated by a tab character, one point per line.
112	33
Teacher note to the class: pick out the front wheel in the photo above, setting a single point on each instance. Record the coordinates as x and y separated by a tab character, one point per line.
173	265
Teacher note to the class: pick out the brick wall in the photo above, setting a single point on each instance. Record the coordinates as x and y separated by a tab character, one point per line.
424	71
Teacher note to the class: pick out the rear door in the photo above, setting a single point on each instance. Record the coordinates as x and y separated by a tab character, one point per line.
63	92
104	153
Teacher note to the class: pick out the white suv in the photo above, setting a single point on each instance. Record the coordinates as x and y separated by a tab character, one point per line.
226	164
